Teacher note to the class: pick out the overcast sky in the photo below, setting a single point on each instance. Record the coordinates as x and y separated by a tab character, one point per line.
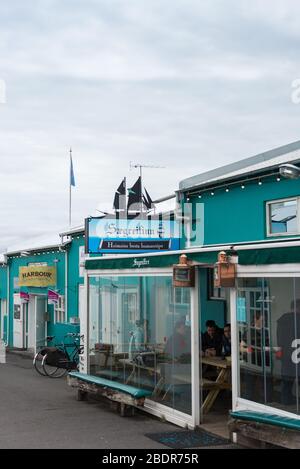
185	84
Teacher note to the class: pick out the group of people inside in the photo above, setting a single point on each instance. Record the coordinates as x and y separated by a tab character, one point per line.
214	342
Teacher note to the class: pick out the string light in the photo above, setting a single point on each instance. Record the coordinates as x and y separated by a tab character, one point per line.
199	196
212	193
260	183
227	190
278	179
242	186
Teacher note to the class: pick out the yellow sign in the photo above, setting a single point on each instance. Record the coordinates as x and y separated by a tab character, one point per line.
37	276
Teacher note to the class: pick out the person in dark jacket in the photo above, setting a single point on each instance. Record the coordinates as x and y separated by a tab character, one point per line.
178	346
288	330
211	340
226	341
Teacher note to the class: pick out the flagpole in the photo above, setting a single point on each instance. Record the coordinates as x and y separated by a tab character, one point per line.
70	192
141	200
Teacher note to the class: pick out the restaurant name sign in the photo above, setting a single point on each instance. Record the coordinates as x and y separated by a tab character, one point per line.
37	276
110	235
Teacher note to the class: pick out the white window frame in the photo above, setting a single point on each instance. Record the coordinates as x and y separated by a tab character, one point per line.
60	310
37	264
270	270
268	217
155	408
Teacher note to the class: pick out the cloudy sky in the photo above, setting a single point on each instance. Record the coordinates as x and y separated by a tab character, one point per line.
184	84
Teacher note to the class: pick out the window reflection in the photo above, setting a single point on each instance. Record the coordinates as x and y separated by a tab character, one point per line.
283	216
140	335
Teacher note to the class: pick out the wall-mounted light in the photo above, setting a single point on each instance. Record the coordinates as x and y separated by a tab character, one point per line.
289	171
24	253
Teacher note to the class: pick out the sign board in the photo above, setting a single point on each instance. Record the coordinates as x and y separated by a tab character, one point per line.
37	276
17	311
111	235
241	309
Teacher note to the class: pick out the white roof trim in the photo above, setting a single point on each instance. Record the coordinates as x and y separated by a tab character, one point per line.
286	154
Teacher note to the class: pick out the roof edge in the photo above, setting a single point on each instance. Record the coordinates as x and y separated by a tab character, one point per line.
200	179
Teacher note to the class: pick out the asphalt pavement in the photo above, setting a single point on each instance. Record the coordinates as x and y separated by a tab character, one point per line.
39	412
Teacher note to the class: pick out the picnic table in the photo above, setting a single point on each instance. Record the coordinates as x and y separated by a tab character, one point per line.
222	381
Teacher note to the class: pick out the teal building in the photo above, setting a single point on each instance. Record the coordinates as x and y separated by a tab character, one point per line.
28	314
249	212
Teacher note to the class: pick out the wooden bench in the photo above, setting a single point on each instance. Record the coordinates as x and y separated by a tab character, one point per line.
127	397
260	429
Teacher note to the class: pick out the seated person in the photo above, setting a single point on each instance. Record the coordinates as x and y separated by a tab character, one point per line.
211	340
226	341
136	342
178	346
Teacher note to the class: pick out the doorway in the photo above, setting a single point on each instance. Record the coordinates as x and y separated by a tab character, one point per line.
215	397
29	325
19	322
3	320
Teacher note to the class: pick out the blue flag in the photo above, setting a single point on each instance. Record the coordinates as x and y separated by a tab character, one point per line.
72	177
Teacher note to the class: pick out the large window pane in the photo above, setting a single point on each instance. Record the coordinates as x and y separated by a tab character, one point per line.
283	217
268	314
253	335
140	335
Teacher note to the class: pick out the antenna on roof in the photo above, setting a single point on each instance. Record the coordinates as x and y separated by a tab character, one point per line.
141	166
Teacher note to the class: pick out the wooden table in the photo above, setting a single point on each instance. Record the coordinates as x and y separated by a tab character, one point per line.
222	381
135	367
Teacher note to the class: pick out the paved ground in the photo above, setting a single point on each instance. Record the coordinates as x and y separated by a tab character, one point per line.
39	412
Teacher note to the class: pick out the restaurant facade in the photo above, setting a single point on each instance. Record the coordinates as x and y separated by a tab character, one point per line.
142	329
41	291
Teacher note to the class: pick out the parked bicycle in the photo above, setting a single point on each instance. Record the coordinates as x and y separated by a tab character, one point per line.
41	352
56	361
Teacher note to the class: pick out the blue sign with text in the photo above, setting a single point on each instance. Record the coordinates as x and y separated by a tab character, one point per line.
111	235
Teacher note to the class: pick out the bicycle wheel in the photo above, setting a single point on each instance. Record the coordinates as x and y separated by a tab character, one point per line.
53	371
37	363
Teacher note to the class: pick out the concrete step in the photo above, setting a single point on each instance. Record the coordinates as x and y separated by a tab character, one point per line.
20	352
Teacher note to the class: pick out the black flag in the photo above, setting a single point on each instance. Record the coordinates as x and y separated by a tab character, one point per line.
135	196
120	197
148	202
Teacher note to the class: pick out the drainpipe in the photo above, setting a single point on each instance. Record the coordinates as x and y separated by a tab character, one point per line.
7	301
66	274
66	284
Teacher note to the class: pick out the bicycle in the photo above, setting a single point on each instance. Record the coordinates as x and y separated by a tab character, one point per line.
59	360
38	358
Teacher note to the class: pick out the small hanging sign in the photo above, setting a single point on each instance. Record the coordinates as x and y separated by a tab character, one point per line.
183	273
224	272
53	297
24	297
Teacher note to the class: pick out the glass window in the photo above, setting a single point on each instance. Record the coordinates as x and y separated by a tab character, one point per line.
282	217
214	293
139	334
59	309
268	315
